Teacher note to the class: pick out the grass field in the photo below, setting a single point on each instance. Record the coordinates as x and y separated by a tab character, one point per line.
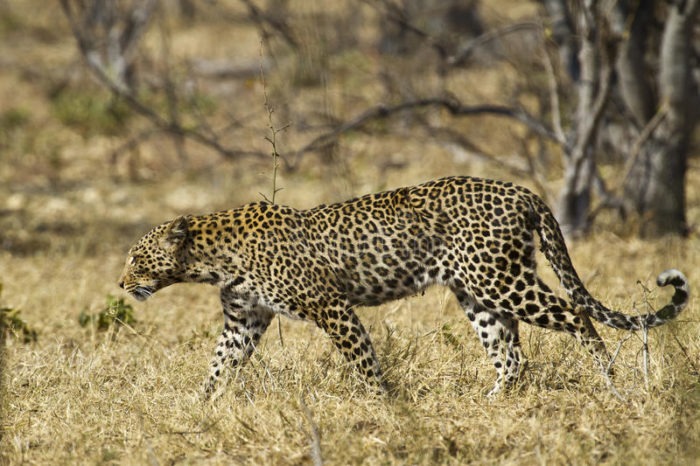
129	394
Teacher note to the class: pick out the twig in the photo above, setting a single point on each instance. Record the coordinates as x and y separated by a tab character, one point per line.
606	372
272	139
684	350
645	338
315	435
645	354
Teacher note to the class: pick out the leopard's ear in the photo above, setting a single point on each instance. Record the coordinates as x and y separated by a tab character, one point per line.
176	233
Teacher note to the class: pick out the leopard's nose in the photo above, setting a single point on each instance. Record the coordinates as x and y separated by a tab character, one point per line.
121	284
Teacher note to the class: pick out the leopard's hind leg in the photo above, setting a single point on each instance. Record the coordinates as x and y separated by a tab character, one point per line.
500	337
539	306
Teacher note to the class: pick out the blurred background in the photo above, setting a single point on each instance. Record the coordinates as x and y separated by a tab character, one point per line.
115	115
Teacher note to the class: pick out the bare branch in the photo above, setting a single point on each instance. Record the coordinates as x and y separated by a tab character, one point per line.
132	143
109	34
395	13
121	90
455	138
262	19
554	97
466	50
644	135
451	104
608	198
171	127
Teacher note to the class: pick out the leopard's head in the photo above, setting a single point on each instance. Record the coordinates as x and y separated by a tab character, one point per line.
156	260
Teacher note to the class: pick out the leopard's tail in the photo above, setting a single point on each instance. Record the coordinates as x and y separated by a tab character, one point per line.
554	248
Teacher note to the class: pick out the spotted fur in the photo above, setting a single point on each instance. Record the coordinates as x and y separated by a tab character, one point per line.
472	235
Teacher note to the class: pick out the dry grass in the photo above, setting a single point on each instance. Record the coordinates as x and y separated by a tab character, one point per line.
130	395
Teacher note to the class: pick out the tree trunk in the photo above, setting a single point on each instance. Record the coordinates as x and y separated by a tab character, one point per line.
592	89
662	203
657	189
634	79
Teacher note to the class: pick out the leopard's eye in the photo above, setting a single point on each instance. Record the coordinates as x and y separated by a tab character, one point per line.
132	260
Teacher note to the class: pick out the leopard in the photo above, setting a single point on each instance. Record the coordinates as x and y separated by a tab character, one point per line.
472	235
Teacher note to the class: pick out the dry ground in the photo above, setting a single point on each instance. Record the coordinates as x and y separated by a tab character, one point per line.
130	394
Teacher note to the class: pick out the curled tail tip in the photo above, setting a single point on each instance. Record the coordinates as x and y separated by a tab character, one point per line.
679	300
672	277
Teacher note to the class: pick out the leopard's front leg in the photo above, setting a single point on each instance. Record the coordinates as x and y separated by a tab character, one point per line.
243	326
